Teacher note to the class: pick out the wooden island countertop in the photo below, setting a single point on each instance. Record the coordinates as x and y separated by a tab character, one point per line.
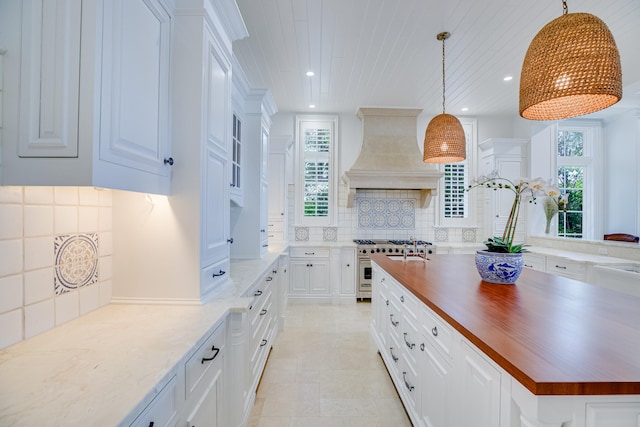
556	336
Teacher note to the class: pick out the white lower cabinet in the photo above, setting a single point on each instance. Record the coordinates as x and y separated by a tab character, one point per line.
309	278
446	381
479	389
162	411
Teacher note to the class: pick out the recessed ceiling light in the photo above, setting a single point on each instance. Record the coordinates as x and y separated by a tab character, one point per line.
310	73
508	78
465	108
312	105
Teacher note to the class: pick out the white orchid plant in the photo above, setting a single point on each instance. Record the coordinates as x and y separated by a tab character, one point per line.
523	190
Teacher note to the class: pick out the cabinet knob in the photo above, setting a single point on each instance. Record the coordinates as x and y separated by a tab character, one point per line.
348	265
168	161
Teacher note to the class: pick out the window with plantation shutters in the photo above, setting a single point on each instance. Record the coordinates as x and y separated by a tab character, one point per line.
455	196
457	206
314	199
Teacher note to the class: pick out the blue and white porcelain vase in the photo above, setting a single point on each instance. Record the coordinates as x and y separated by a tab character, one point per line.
497	267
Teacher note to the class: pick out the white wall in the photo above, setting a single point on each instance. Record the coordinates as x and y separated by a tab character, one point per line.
622	189
35	221
350	143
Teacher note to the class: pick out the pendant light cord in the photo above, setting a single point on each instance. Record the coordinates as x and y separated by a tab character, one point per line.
443	81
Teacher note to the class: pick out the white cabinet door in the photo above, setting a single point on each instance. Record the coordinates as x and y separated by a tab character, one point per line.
264	222
348	272
319	283
276	185
435	388
134	113
207	412
50	79
479	390
299	277
215	186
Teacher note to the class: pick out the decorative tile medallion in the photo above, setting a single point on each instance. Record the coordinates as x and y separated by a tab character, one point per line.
330	234
386	213
469	235
441	234
302	233
76	261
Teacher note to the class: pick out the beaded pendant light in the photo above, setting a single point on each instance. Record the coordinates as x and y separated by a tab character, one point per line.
571	68
444	140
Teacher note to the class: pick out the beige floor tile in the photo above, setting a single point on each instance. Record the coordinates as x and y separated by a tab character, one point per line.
324	370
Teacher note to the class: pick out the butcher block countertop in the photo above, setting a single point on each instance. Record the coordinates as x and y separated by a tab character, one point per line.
556	336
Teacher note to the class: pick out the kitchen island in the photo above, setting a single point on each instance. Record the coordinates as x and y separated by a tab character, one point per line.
555	350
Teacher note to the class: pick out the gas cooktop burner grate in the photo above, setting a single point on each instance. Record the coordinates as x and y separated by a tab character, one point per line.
410	242
364	242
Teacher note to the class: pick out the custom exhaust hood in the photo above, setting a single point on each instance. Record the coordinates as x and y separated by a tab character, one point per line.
390	158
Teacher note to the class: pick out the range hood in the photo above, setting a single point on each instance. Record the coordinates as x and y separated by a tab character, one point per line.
390	158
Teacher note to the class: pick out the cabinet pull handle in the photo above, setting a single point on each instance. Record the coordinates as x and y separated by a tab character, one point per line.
274	271
230	240
561	266
257	293
406	383
409	345
527	265
393	356
220	273
208	359
382	280
263	343
168	161
422	346
392	322
265	245
387	302
401	298
309	253
434	331
263	312
269	278
262	230
151	424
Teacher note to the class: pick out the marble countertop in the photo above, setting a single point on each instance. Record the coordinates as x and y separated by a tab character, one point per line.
578	256
108	365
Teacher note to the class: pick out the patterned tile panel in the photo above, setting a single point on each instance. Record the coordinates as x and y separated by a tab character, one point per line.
441	234
76	261
469	235
386	213
302	233
330	234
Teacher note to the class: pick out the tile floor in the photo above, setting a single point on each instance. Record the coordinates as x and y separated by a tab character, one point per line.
324	370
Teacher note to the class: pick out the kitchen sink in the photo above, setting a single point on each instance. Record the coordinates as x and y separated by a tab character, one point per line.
402	258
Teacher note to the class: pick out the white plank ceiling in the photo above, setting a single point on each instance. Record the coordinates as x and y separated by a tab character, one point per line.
385	52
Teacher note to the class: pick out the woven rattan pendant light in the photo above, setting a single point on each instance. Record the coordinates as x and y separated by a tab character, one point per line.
571	68
444	138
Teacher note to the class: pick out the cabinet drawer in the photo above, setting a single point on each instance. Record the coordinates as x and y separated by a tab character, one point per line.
162	411
260	321
309	253
566	268
261	349
534	262
437	332
275	225
201	366
213	276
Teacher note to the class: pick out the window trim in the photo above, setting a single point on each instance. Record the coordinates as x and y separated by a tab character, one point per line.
470	127
299	218
592	160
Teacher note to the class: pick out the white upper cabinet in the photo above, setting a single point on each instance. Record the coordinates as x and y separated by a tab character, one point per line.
50	79
134	101
90	83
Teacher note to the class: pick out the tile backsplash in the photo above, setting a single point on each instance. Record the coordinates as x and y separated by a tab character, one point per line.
55	263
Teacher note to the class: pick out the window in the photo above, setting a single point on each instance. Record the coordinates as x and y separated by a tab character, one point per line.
315	138
576	146
455	201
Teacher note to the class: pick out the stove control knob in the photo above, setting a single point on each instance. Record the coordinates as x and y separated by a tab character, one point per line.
383	250
397	250
378	250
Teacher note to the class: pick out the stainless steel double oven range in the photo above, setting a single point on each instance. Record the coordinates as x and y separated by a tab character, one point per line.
368	247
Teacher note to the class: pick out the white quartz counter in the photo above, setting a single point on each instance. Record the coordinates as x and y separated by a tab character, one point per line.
578	256
104	367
